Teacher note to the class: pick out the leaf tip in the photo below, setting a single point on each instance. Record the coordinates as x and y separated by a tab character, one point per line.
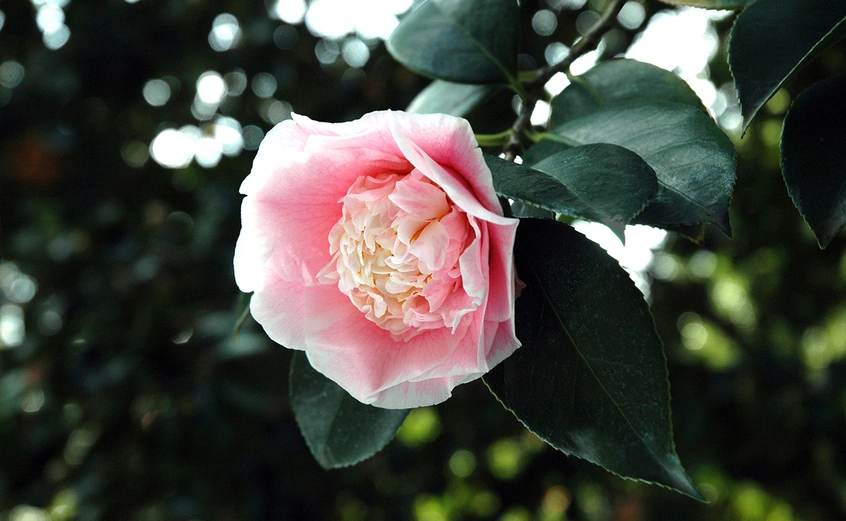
619	229
825	236
675	478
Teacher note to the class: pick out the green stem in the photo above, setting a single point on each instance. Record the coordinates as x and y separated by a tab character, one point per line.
492	140
533	90
517	86
244	300
537	136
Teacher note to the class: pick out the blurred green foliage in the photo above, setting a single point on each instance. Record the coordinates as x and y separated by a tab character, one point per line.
123	394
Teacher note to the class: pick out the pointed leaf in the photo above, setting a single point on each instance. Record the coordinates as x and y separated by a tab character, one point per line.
445	97
692	157
591	378
465	41
774	39
713	4
339	430
616	82
813	156
601	182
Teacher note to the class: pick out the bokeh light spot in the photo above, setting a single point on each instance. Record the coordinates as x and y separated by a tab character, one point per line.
225	33
779	103
135	154
666	267
227	132
355	52
277	111
264	85
252	137
80	442
50	322
544	22
462	463
285	37
631	15
236	82
290	11
420	426
32	401
27	513
156	92
208	152
58	38
370	19
586	21
555	52
172	148
326	51
49	18
12	330
506	458
211	88
567	4
555	502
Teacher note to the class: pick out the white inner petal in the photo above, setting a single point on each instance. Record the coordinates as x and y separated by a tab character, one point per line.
395	253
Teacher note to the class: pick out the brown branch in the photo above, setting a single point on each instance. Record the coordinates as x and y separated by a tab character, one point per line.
534	89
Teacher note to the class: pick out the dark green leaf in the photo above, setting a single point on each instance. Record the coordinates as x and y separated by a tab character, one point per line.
692	157
713	4
591	378
465	41
773	39
813	155
541	150
601	182
617	82
339	430
445	97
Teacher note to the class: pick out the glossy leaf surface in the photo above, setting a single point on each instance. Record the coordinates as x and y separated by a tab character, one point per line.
339	430
692	157
813	155
617	82
444	97
464	41
600	182
590	378
773	39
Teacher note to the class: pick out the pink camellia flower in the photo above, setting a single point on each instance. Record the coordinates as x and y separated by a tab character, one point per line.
380	249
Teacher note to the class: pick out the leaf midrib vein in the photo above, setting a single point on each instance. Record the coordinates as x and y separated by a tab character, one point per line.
590	368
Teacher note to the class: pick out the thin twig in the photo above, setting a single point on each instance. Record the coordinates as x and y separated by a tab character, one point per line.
534	89
245	314
586	44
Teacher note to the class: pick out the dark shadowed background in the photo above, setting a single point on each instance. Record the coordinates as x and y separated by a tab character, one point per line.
125	131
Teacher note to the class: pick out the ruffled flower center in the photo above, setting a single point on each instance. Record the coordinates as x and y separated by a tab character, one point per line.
396	252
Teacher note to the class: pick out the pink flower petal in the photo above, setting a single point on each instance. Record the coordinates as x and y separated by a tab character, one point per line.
283	319
420	198
457	188
296	207
398	214
430	247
